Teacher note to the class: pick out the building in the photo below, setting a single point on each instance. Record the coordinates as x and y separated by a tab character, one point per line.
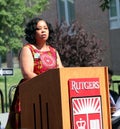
89	14
115	34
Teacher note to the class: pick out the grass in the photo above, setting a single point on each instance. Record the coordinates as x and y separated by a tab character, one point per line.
115	85
7	82
116	77
11	80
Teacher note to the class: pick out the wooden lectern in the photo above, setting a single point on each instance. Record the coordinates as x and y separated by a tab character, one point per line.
66	98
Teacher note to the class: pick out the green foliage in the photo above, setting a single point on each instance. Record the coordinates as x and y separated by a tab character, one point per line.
13	16
104	4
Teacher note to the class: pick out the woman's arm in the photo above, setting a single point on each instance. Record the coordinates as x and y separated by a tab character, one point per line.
59	63
26	63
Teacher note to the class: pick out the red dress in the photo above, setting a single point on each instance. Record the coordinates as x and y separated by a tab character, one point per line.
43	61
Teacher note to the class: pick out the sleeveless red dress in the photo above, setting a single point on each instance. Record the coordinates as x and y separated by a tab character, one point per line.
43	61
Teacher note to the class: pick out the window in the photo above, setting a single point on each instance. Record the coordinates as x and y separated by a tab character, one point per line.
66	11
114	14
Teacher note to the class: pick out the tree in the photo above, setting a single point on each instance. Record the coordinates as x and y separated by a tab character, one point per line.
104	4
76	46
13	15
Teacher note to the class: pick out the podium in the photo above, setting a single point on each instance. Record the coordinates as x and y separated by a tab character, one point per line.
66	98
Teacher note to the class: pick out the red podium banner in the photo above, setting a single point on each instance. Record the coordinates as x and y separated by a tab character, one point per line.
85	103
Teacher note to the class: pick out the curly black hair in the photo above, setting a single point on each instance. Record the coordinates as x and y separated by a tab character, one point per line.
30	30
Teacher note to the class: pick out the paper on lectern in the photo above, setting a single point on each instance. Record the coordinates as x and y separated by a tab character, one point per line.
117	113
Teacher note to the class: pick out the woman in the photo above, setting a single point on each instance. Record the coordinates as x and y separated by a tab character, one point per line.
36	57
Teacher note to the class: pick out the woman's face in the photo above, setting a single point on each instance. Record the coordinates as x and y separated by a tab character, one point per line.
42	31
